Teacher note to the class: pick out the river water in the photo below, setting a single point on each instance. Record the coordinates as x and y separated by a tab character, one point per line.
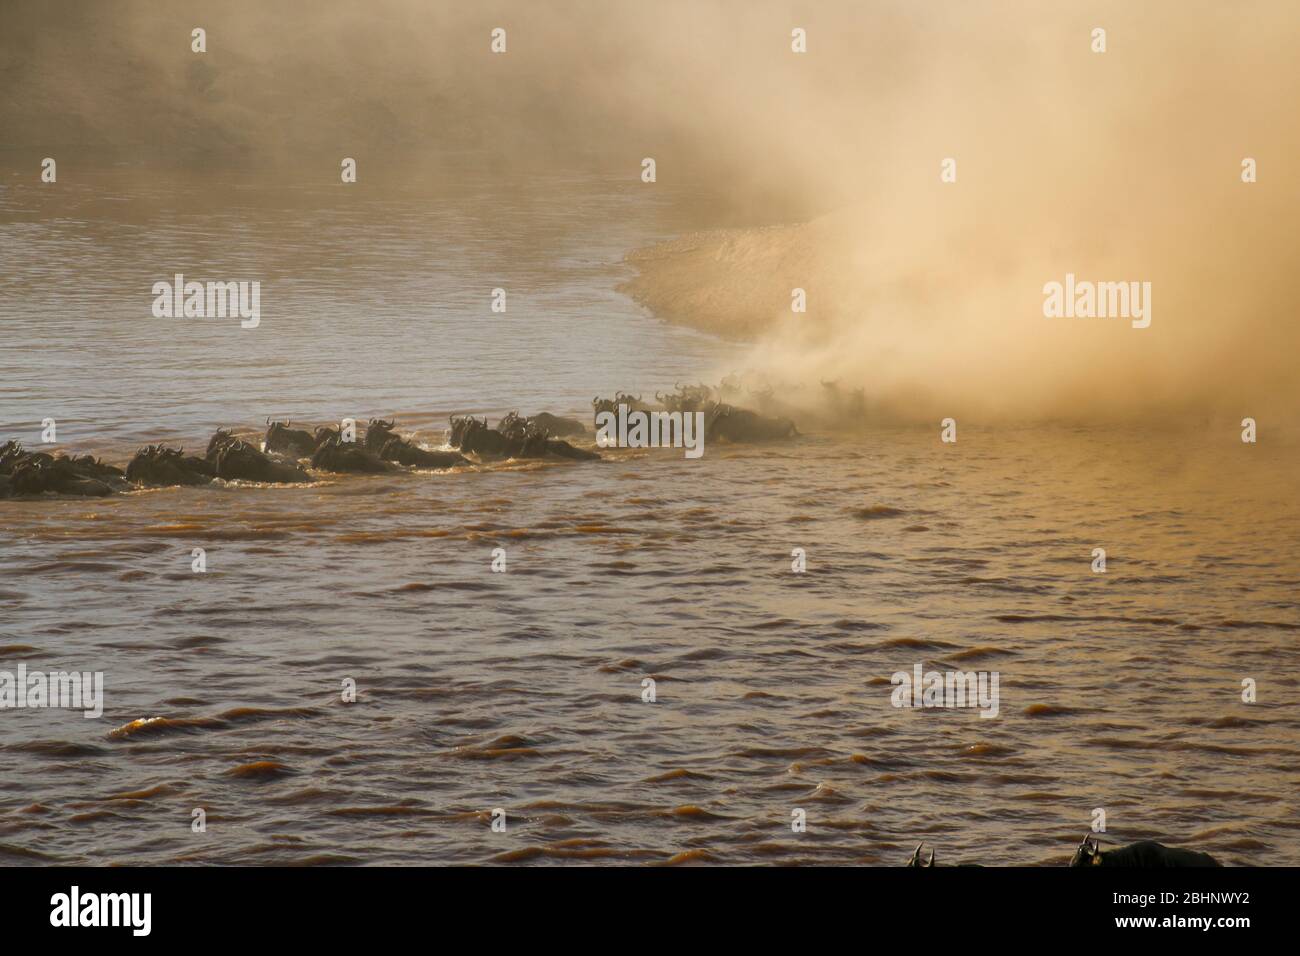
523	691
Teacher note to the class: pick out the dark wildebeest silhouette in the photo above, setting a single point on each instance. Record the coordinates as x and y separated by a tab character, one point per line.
1144	853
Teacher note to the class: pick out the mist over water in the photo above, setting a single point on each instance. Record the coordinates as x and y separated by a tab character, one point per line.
1118	166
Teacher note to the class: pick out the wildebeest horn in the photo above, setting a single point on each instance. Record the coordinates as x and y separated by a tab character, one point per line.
916	855
931	863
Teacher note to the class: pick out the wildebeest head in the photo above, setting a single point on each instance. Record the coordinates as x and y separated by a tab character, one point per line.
282	436
1088	853
513	426
516	428
11	456
916	857
238	459
378	433
220	438
461	427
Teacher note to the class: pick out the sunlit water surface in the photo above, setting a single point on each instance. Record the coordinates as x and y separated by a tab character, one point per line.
523	690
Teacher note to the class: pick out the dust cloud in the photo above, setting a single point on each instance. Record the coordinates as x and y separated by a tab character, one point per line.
821	170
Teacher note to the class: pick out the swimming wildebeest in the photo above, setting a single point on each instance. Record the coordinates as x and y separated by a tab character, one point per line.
556	426
530	438
741	425
25	472
160	465
687	398
721	421
476	438
636	404
390	447
916	860
233	458
514	437
1144	853
334	454
280	437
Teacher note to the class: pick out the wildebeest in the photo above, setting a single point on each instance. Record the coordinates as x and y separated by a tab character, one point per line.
160	465
476	438
687	398
25	472
240	460
57	475
334	454
1144	853
235	459
530	438
390	447
741	425
36	473
722	421
636	404
280	437
556	426
915	859
514	437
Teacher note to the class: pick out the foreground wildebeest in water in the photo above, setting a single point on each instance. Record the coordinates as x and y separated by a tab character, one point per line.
916	860
25	472
1144	853
160	465
235	459
280	437
381	440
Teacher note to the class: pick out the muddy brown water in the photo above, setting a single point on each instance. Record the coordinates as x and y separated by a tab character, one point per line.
523	690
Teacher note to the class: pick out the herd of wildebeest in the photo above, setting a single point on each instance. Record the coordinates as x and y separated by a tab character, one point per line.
289	455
